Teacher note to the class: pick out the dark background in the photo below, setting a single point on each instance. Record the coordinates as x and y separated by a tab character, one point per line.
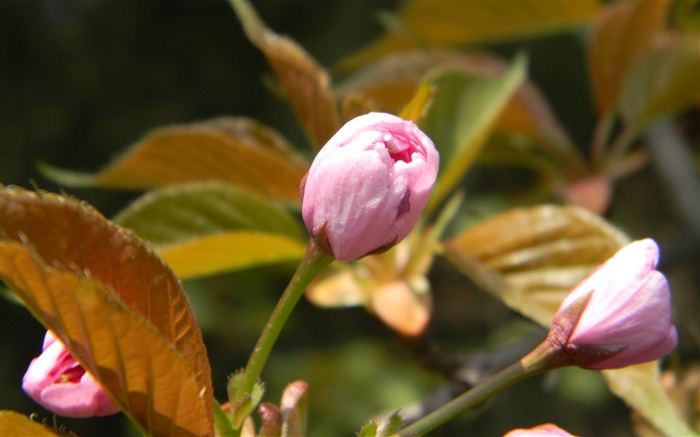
83	79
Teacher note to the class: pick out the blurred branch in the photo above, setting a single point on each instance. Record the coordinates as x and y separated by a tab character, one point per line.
462	370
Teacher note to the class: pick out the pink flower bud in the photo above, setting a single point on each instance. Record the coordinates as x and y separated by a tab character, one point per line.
619	315
368	185
545	430
60	384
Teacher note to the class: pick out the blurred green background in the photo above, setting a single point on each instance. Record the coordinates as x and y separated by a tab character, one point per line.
82	79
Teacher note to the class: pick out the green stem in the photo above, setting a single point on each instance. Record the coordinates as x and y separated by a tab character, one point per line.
221	422
311	264
543	358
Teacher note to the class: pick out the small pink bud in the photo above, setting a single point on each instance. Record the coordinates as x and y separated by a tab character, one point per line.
368	185
593	193
545	430
59	383
619	315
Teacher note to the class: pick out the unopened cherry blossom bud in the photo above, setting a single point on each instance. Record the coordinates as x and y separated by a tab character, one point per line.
545	430
619	315
368	185
60	384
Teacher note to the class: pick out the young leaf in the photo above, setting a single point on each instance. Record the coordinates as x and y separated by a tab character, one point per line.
188	211
392	424
305	82
531	257
369	429
238	151
662	82
242	403
145	375
71	243
622	32
14	424
229	251
463	111
294	406
438	23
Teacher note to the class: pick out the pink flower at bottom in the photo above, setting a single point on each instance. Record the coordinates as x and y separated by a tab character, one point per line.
545	430
60	384
620	315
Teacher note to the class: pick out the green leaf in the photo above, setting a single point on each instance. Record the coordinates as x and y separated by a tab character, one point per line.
75	270
369	429
662	82
306	83
464	109
390	82
206	228
441	23
188	211
621	33
235	150
229	251
14	424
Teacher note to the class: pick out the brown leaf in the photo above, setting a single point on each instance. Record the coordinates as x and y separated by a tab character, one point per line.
235	150
14	424
144	374
621	32
306	83
61	232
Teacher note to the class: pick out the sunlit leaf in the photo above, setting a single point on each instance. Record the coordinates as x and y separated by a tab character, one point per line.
187	211
440	23
228	251
68	242
306	83
14	424
402	307
145	375
337	289
531	257
463	111
238	151
392	285
663	81
622	32
640	386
